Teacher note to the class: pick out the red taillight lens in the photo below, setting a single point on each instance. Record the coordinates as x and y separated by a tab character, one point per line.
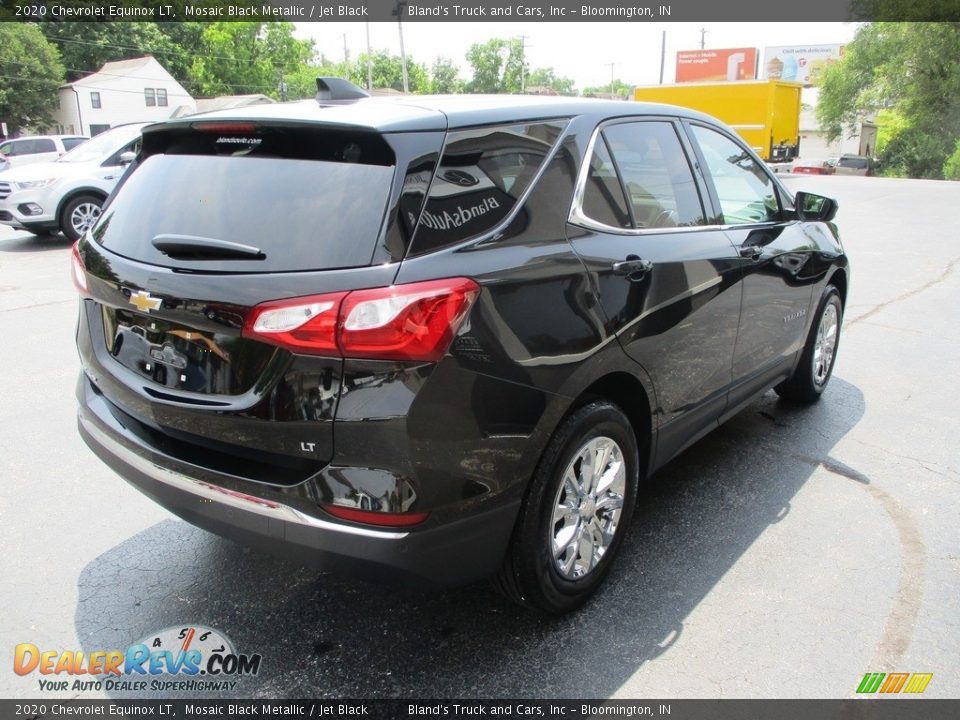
405	322
370	517
304	324
77	270
416	321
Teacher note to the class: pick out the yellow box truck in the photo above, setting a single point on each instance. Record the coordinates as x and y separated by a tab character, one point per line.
766	113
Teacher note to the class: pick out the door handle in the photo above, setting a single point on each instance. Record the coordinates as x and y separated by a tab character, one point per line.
751	251
633	267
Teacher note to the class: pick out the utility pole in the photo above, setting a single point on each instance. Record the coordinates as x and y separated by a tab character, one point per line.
611	79
346	56
523	61
703	35
663	53
401	4
369	62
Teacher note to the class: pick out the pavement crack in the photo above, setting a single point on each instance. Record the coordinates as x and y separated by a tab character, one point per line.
909	293
902	619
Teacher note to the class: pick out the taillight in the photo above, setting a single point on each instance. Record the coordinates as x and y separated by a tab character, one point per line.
77	270
416	321
371	517
305	324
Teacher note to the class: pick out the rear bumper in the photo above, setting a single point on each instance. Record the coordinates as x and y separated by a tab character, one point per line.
287	522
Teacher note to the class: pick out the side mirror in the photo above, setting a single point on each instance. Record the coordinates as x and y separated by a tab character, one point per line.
127	157
816	208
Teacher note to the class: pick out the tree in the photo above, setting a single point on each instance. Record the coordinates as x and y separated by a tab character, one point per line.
444	77
240	58
388	72
31	73
620	89
302	82
910	71
86	46
497	66
545	77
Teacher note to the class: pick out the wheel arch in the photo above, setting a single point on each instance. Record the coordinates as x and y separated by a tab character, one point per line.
629	394
839	280
76	192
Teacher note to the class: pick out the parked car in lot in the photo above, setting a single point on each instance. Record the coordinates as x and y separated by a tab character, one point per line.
812	167
854	165
4	163
66	195
38	148
442	338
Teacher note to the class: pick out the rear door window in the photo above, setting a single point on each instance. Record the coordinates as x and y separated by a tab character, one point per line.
307	199
656	174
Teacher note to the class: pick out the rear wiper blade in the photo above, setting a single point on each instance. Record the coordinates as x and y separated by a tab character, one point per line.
202	248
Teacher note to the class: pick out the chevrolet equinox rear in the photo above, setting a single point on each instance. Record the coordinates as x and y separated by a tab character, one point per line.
441	339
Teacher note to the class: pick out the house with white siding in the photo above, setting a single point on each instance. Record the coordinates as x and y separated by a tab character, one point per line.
124	91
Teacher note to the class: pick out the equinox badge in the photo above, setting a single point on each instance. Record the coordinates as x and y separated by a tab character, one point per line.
144	302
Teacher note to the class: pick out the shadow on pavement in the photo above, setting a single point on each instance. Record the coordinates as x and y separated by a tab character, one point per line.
25	242
324	636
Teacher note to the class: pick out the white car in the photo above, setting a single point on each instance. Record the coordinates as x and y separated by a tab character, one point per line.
38	148
66	195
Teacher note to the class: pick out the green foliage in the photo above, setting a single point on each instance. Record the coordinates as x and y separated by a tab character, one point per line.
388	72
302	82
497	65
620	89
905	10
444	77
86	46
30	74
240	58
951	168
545	77
910	69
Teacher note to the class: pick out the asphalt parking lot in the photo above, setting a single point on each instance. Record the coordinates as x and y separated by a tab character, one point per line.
784	555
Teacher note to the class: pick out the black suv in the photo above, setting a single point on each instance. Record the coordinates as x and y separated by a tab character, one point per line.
442	338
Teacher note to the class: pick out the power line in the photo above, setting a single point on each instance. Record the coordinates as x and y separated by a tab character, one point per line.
147	52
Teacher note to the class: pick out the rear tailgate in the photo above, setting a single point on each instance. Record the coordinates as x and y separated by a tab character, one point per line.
168	290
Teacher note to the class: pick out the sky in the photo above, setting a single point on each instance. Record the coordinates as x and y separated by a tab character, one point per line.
582	51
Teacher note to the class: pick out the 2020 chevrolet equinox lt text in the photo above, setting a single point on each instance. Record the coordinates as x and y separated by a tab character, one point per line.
442	338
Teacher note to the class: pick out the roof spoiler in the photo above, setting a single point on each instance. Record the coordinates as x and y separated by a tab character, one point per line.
333	90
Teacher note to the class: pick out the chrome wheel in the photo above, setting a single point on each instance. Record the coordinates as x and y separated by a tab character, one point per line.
587	507
83	217
825	343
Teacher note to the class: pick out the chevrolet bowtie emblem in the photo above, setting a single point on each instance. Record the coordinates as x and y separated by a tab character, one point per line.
144	302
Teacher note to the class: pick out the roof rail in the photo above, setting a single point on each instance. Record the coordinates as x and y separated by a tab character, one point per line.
333	90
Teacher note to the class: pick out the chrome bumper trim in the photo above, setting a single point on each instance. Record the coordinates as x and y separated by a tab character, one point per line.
224	496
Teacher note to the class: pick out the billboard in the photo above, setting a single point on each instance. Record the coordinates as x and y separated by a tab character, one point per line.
799	63
713	65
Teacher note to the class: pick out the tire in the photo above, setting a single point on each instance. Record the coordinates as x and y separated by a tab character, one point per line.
78	216
534	575
813	372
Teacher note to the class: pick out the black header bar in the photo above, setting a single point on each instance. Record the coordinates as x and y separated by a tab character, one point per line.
479	10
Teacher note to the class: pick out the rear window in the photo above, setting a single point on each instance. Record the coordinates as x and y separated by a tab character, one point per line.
305	201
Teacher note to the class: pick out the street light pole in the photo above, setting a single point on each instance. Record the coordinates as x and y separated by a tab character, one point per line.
369	62
401	4
611	79
523	59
